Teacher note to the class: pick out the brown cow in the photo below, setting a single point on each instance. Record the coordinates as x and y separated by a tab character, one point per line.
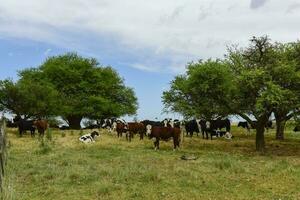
41	126
130	129
165	133
121	128
135	128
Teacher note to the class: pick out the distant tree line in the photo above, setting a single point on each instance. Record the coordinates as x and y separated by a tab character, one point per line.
69	86
251	82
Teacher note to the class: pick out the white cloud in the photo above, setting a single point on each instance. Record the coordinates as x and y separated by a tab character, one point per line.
257	3
293	8
170	31
144	67
47	52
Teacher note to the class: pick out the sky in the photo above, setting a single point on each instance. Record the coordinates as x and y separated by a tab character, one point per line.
147	42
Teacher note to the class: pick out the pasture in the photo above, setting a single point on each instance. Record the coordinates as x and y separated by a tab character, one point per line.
112	168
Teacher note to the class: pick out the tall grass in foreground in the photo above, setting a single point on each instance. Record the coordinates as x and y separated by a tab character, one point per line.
112	168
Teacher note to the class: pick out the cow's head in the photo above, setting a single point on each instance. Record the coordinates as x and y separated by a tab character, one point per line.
148	129
207	124
94	134
114	126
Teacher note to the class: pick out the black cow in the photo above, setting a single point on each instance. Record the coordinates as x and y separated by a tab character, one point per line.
10	124
253	126
165	133
214	127
152	123
244	125
267	125
193	126
297	128
26	125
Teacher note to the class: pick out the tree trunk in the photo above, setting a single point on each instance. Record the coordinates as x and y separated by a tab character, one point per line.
281	118
280	124
74	122
260	137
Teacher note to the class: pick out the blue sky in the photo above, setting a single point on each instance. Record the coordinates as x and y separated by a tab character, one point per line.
147	42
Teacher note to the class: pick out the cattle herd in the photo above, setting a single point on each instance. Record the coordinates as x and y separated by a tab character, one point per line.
156	130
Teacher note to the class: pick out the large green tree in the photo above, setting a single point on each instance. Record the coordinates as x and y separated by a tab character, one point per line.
243	84
286	74
202	91
28	98
280	65
85	88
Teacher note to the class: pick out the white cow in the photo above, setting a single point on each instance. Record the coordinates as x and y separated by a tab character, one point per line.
88	138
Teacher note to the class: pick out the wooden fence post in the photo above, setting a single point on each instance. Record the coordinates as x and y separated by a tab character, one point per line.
2	151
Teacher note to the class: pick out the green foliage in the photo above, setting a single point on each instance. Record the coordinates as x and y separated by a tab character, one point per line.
70	86
28	98
87	89
204	91
253	81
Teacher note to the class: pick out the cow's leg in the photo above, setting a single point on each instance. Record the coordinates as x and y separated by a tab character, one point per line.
156	144
32	133
20	132
141	135
129	133
206	133
176	143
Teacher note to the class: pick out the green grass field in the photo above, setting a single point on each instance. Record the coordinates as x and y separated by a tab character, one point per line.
112	168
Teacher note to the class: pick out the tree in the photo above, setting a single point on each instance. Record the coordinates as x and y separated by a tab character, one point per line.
85	88
202	90
243	84
280	64
286	74
257	93
28	99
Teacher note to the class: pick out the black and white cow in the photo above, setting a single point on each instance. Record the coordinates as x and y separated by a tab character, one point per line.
88	138
169	122
253	125
214	128
193	126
